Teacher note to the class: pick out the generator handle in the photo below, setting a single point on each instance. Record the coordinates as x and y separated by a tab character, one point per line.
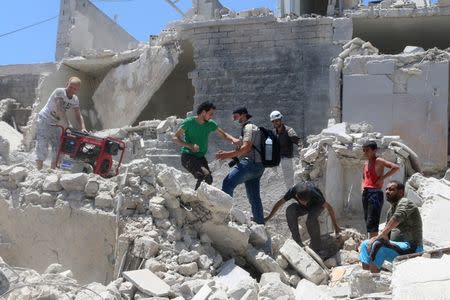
122	148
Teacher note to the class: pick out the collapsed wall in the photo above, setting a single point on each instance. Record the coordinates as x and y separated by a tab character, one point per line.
405	94
83	26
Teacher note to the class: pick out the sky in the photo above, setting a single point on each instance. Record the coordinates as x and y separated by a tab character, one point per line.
36	44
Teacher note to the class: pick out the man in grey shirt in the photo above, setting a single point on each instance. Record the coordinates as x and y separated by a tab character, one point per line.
249	169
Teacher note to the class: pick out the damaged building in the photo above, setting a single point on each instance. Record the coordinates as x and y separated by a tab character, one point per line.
342	73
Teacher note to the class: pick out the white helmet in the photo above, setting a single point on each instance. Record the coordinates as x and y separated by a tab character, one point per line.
275	115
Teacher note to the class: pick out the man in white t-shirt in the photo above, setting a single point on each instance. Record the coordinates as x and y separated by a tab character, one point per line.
54	112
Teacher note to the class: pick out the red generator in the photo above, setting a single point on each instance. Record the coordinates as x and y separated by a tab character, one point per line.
82	152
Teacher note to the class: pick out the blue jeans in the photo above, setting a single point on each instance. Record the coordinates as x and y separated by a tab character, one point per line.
250	173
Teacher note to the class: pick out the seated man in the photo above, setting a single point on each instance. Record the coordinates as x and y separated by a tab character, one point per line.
310	201
403	227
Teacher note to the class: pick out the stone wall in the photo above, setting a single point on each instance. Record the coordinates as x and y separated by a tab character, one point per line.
267	64
19	82
405	95
82	26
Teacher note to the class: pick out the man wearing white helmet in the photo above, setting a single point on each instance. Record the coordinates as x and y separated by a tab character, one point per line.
287	138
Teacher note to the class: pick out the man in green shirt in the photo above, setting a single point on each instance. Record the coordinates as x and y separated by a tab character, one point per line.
196	131
401	235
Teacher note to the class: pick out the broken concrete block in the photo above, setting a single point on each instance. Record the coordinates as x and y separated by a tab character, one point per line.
239	216
340	131
382	67
74	182
214	198
230	274
11	135
273	288
231	239
188	269
91	187
155	266
203	293
147	282
51	184
242	287
250	295
158	211
187	257
264	263
363	282
258	235
307	290
282	262
145	247
304	264
104	200
421	278
269	277
163	127
47	200
204	262
350	245
168	178
412	49
310	155
32	198
18	174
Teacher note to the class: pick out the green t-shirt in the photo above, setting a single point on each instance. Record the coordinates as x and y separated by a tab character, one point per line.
196	133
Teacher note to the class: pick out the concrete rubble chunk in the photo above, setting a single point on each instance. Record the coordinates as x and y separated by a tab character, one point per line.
271	287
230	274
11	135
147	282
74	182
433	282
307	290
188	269
363	282
242	287
187	257
214	198
231	239
168	178
258	235
264	263
203	294
304	264
381	67
145	247
104	200
340	131
18	174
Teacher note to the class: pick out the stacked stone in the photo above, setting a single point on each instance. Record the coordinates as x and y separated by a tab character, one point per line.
346	141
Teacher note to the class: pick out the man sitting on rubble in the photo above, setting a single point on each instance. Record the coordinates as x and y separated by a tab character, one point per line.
54	113
401	235
196	131
372	185
308	200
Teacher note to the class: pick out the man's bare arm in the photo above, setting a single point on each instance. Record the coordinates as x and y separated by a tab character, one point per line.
227	136
393	168
384	234
176	138
275	208
244	149
330	210
79	118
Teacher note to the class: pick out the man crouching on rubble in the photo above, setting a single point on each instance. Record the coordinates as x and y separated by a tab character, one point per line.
310	201
196	131
53	113
401	235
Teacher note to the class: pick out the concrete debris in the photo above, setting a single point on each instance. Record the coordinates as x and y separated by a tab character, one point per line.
364	282
308	290
433	282
303	263
12	136
147	282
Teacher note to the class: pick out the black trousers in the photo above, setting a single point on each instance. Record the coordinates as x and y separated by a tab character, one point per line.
197	166
372	200
293	212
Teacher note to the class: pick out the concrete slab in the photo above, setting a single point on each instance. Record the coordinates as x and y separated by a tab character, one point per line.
230	274
381	67
304	264
147	282
11	135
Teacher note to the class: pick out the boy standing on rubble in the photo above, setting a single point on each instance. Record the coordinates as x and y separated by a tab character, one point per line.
372	184
53	113
196	131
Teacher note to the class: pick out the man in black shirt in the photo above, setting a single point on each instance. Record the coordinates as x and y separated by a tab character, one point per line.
310	201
